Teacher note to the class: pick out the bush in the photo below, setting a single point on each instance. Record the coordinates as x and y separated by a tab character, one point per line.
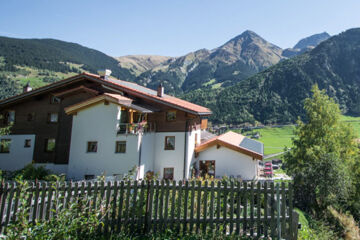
30	172
76	221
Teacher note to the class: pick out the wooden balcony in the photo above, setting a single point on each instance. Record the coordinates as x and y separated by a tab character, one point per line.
135	128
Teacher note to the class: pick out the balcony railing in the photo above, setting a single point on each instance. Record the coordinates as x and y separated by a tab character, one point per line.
135	128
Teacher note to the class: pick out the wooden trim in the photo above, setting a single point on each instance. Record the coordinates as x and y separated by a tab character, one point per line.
219	143
44	89
89	103
106	99
206	145
82	87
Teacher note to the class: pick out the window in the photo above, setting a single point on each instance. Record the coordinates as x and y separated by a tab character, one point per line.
27	143
9	117
55	100
50	145
5	145
31	117
169	173
171	116
169	143
120	147
92	147
52	117
89	176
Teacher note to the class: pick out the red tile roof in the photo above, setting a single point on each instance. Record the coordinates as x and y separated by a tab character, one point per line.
230	140
165	99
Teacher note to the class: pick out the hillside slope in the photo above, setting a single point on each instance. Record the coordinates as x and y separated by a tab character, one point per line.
141	63
277	94
239	58
42	61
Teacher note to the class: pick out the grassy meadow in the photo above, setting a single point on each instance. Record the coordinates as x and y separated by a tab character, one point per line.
277	138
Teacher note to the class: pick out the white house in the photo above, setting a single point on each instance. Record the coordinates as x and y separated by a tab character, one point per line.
90	125
230	154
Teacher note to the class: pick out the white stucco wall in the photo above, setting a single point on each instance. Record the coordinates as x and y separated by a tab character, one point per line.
230	163
54	168
169	158
98	123
147	153
19	156
191	148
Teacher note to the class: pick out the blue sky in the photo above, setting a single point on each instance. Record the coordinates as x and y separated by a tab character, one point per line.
173	27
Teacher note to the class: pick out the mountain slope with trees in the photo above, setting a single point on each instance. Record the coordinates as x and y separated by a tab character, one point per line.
42	61
276	95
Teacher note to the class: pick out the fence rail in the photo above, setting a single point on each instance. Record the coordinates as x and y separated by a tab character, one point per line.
243	208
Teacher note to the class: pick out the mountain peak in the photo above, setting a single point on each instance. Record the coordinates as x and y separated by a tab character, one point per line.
246	34
312	41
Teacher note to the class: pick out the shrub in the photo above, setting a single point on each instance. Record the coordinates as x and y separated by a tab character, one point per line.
75	221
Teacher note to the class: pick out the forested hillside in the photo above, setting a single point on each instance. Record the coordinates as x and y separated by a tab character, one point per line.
277	94
42	61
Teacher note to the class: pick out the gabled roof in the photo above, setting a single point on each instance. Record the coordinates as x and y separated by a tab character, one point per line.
236	142
114	98
167	99
129	87
77	89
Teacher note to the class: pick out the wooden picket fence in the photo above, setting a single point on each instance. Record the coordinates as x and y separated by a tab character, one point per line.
242	208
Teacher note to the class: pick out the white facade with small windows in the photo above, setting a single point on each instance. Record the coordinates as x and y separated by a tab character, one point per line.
230	163
148	151
99	124
18	153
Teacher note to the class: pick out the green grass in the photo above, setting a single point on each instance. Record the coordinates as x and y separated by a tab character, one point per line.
349	118
36	76
276	139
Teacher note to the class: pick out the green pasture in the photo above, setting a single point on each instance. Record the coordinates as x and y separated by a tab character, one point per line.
275	139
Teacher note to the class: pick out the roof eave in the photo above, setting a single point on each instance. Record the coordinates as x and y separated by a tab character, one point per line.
41	89
216	140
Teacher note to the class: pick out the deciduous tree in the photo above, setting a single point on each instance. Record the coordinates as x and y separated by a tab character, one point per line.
323	154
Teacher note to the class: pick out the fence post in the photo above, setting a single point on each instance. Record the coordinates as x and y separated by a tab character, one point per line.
278	210
294	225
148	210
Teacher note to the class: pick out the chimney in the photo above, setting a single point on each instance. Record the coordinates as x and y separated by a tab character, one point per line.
160	90
104	74
27	87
